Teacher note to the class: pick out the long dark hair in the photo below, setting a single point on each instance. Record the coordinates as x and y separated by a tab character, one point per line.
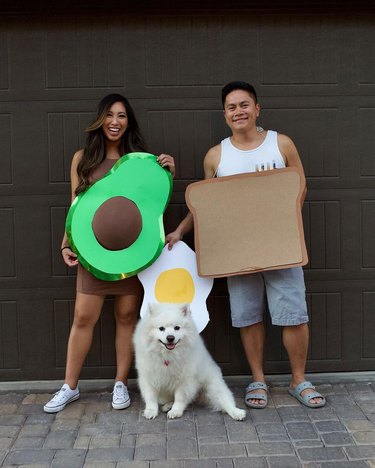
95	148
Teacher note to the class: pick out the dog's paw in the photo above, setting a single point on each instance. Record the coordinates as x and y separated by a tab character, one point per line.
167	406
150	413
173	413
238	414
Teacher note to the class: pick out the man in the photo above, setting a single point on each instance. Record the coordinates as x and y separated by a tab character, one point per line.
250	149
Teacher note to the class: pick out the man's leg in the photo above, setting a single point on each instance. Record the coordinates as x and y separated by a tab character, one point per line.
252	338
296	341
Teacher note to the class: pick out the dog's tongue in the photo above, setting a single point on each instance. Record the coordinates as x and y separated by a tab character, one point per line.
171	346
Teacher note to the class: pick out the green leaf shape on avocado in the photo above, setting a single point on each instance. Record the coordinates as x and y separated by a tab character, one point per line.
139	178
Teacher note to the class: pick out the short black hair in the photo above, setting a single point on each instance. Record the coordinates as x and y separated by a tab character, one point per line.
234	85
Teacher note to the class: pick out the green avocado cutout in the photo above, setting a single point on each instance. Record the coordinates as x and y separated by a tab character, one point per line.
116	226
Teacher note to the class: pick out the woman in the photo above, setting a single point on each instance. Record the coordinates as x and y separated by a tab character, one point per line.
113	133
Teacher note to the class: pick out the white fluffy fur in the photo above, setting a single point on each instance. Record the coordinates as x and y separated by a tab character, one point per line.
173	377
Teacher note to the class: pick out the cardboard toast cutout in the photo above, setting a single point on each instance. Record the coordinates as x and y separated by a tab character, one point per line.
248	222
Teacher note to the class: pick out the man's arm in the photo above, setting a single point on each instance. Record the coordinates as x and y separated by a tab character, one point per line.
291	158
210	164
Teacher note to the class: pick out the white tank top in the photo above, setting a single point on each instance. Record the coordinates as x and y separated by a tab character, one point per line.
265	157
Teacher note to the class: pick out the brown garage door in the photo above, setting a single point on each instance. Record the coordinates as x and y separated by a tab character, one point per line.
316	83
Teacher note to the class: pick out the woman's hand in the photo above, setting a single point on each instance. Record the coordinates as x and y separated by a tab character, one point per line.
165	160
172	238
69	257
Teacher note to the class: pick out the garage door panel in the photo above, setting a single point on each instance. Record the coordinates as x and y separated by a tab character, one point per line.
315	84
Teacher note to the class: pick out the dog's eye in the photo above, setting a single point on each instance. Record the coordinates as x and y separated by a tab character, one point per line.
176	328
161	328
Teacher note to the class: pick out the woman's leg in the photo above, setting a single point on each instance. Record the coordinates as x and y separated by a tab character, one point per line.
126	315
86	313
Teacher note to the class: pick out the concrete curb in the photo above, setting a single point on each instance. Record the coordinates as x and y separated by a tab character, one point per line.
103	385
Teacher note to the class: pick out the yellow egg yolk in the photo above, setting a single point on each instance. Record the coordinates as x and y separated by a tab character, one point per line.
175	286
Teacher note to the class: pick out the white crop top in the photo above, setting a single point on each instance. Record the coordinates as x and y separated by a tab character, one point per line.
265	157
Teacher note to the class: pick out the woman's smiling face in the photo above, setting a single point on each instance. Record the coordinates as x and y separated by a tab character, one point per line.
116	122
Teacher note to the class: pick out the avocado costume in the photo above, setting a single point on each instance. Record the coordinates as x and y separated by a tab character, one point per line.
116	226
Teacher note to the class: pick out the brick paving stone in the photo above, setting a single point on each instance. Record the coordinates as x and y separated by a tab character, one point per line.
182	448
152	452
290	414
223	463
99	455
321	414
28	443
82	442
242	432
101	464
34	430
30	409
359	387
128	440
301	431
283	462
337	439
264	449
97	429
3	454
20	457
60	440
361	425
178	429
349	412
69	458
284	400
222	451
12	420
250	463
72	411
104	442
209	418
117	417
330	426
197	464
66	424
321	454
40	418
11	398
9	408
266	415
307	443
270	429
273	438
134	464
345	464
147	427
367	408
364	437
9	431
5	442
217	430
339	389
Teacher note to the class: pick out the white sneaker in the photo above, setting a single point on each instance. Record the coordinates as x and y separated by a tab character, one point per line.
61	398
120	396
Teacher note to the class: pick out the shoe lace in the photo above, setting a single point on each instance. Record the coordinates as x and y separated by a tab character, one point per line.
59	396
120	392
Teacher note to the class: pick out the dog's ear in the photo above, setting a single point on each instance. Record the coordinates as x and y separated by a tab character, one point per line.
150	308
185	310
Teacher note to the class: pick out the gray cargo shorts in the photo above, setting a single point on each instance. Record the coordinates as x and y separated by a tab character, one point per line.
285	291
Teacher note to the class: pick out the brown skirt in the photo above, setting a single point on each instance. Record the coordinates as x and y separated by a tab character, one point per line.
89	284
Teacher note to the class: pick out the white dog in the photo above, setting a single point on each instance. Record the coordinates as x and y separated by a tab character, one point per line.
174	366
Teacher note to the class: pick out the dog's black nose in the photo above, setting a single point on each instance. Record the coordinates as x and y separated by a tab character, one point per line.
170	338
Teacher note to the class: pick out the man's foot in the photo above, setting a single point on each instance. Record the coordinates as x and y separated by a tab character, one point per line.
61	398
257	395
306	393
120	396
